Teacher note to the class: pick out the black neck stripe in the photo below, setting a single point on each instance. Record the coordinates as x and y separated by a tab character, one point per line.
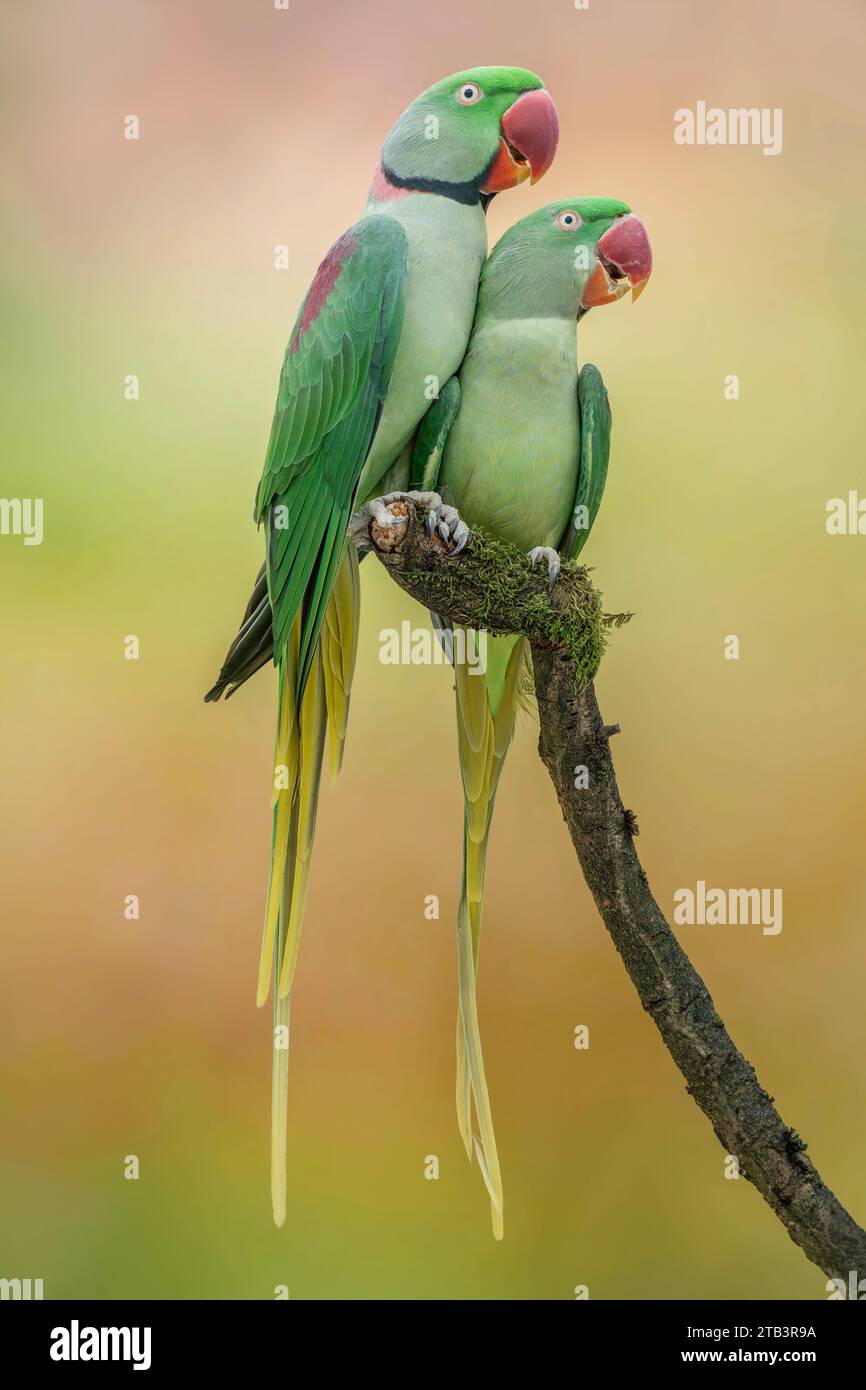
467	193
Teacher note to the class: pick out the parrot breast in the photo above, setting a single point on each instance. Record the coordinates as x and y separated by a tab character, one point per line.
447	247
511	459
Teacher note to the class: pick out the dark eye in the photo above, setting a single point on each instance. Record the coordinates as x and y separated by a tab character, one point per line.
568	220
469	94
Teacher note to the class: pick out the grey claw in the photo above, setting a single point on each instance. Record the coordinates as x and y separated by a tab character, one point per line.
440	518
550	557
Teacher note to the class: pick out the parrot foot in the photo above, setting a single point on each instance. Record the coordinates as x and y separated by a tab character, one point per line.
550	557
441	519
376	510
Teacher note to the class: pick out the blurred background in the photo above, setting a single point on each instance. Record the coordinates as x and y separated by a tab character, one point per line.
261	127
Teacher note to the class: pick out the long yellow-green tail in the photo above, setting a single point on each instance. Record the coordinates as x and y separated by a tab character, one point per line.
298	754
486	708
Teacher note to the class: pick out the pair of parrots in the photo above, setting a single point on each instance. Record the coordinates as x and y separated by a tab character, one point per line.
515	438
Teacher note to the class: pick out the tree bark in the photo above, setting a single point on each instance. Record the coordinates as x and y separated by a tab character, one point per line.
491	585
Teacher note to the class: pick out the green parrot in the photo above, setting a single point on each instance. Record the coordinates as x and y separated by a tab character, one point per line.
389	310
519	443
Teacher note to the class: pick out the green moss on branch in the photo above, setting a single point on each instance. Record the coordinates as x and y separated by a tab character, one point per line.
492	585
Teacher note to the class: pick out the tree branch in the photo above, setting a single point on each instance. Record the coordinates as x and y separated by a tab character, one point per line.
491	585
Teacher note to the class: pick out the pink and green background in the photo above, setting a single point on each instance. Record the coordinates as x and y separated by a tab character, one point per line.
261	127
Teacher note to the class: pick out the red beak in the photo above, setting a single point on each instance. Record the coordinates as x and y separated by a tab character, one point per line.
530	135
625	262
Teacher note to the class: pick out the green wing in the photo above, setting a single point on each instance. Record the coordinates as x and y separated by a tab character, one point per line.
431	438
592	466
332	387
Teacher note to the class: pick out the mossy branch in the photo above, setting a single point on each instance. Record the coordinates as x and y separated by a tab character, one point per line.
491	585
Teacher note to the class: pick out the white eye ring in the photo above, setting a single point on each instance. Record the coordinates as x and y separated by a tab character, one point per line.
567	221
468	94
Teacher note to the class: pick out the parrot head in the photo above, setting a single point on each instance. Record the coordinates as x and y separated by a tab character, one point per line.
473	135
567	258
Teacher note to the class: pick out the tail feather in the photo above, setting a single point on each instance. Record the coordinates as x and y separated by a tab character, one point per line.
279	1107
252	648
486	709
339	650
470	1063
298	755
312	747
286	771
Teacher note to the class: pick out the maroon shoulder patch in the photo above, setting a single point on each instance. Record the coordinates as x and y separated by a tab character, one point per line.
325	279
